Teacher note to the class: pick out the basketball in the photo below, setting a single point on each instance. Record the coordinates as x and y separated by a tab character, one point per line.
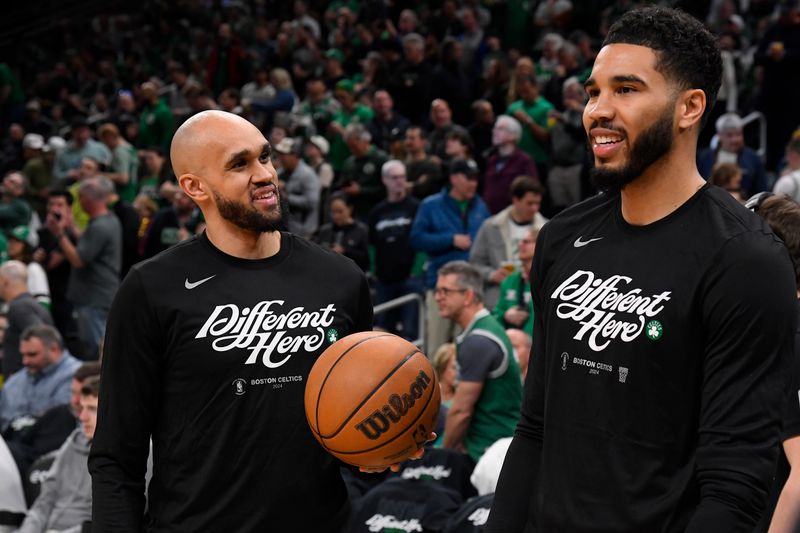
372	399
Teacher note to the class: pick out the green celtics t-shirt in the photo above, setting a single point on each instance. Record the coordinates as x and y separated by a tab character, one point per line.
538	111
339	151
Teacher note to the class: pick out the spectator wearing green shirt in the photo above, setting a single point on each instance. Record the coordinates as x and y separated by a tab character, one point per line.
156	123
319	107
532	111
124	162
514	309
14	211
351	112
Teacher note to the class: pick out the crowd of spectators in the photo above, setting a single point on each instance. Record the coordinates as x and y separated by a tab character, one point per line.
405	135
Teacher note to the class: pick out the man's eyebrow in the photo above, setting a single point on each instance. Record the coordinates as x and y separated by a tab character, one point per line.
620	78
628	78
267	148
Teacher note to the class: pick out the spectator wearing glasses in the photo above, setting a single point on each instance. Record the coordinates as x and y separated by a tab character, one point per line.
489	393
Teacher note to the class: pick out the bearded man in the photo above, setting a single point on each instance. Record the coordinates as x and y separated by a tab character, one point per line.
208	348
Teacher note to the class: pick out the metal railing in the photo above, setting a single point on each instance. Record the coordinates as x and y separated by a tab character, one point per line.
401	301
762	131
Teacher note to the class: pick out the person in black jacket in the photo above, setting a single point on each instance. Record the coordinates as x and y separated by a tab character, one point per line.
344	234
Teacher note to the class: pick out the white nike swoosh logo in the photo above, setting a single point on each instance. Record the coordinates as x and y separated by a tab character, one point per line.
191	285
578	242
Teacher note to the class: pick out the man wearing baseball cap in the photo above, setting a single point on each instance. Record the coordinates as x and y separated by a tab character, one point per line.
444	228
38	169
300	185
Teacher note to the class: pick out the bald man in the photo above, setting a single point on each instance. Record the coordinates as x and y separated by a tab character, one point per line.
207	352
23	311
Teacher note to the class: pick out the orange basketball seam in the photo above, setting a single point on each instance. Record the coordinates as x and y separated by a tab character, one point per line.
402	433
316	429
367	396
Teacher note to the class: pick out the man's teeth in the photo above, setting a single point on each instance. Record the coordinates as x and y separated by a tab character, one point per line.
606	140
265	195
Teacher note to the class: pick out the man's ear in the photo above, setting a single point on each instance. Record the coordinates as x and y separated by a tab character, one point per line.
471	296
690	108
193	187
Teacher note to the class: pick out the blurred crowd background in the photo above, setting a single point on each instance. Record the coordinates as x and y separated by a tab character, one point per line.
405	134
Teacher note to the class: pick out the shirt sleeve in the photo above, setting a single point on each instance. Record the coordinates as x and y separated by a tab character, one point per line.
477	357
749	309
519	479
127	409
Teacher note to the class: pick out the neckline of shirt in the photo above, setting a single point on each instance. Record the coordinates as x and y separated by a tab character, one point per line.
655	225
286	246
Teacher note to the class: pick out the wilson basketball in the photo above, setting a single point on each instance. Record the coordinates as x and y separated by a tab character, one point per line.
372	399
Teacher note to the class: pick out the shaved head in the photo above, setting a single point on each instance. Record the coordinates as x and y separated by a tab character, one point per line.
204	134
223	163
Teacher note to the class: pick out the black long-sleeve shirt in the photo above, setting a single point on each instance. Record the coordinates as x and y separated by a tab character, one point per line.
658	372
209	354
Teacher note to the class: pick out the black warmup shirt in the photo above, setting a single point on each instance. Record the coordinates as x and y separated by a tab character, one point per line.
389	228
658	372
210	354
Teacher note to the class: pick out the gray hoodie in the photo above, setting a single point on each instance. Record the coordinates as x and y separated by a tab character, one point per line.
65	500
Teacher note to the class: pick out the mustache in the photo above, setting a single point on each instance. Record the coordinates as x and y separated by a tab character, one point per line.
606	125
264	188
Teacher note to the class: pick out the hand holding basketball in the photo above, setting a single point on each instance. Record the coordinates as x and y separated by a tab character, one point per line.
372	400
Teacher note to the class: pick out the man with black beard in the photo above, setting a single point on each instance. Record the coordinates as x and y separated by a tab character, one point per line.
664	317
207	350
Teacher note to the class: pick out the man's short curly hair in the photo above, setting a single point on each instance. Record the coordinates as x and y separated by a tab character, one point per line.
687	53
